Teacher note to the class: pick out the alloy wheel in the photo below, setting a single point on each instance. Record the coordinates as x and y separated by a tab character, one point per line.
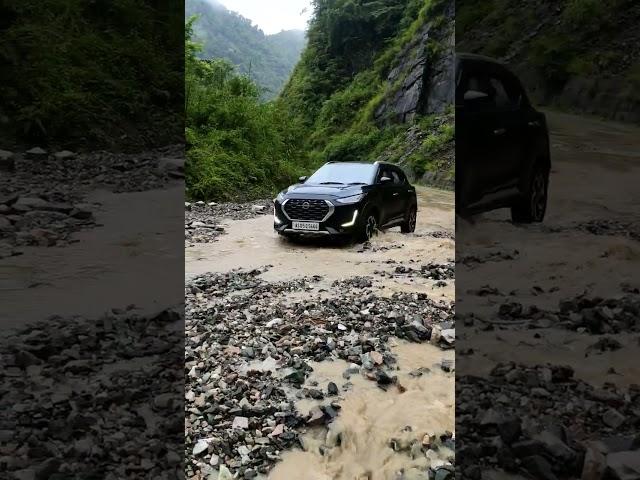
371	226
538	196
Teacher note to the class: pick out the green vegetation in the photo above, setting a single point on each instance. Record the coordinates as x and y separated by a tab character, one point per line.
335	105
572	38
268	59
74	72
342	78
238	146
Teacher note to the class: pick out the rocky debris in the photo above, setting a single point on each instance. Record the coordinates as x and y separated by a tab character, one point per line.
596	316
611	227
41	193
437	234
431	271
247	355
541	421
38	172
470	260
42	220
86	398
203	221
369	247
353	282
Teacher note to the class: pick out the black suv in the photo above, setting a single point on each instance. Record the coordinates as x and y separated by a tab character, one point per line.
502	143
347	198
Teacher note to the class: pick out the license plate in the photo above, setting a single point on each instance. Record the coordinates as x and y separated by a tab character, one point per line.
306	226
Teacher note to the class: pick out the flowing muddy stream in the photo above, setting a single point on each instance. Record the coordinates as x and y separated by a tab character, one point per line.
376	431
381	432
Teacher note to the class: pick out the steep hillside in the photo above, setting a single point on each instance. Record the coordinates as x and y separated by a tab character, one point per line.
376	83
268	59
90	74
581	55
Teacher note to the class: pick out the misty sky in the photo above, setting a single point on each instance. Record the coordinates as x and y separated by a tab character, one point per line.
273	16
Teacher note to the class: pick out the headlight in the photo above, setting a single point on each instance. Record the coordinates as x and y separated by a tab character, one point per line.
280	197
351	199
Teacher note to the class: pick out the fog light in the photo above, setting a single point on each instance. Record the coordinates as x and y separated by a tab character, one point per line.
276	220
353	220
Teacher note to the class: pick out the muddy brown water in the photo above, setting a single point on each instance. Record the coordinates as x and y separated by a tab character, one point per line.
369	417
253	243
125	259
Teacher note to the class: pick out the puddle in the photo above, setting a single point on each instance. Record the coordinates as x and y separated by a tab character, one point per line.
356	445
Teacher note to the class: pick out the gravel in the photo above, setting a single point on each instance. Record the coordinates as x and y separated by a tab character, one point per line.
247	357
203	220
85	398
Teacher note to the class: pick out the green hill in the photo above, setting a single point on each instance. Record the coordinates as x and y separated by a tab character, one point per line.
268	59
375	82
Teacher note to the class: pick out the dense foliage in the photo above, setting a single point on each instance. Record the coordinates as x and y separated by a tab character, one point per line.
342	78
268	59
237	146
556	38
73	72
242	147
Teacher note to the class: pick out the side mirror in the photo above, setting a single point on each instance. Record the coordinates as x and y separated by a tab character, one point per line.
302	179
476	100
385	180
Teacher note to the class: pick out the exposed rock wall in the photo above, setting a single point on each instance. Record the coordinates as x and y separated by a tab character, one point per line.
422	81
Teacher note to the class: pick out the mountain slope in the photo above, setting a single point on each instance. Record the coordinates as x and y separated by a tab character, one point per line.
268	59
581	55
376	83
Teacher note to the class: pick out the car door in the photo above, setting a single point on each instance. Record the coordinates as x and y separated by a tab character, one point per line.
399	192
388	199
508	132
479	131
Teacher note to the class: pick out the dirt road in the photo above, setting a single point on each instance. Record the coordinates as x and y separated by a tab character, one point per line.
370	416
538	296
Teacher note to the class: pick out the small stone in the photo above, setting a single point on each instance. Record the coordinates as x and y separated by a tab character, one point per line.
332	389
200	446
240	423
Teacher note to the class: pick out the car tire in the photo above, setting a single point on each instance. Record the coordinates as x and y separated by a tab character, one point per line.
533	206
409	225
367	227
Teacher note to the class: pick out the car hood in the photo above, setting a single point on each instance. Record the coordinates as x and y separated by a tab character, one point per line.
302	189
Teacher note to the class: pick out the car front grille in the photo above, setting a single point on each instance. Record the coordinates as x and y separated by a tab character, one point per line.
309	210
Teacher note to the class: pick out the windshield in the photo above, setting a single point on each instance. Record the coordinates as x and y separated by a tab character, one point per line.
343	174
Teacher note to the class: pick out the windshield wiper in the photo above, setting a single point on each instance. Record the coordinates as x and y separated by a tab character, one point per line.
357	183
331	183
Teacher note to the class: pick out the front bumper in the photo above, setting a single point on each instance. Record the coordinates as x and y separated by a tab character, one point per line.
342	221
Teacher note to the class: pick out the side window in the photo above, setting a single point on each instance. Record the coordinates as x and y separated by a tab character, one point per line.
396	177
509	91
502	100
383	172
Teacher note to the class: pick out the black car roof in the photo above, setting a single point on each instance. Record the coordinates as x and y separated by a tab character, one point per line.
377	162
479	58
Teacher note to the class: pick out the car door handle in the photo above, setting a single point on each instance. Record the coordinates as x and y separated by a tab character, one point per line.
500	131
396	194
534	123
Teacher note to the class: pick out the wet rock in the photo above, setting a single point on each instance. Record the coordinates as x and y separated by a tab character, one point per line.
332	389
36	153
7	161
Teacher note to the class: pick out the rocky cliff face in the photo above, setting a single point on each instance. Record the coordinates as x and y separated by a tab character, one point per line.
579	56
422	87
422	81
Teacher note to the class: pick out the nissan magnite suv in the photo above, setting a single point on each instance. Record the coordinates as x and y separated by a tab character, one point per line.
347	199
